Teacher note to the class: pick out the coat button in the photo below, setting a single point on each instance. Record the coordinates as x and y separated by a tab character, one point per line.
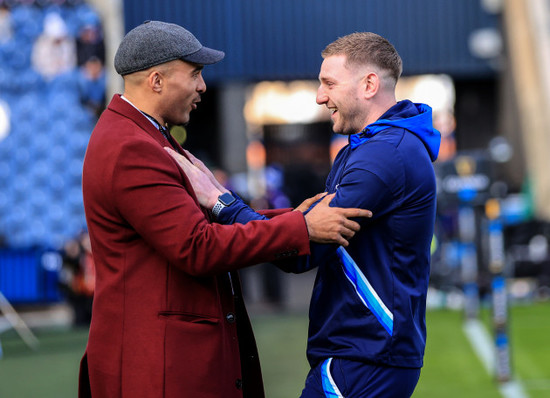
239	384
230	317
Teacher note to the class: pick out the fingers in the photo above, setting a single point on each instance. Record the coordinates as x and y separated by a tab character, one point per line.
182	161
342	242
328	198
309	201
354	212
306	204
174	154
346	212
318	196
180	158
192	157
352	226
170	151
348	230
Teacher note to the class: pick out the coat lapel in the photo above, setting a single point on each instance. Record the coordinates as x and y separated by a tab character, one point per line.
123	108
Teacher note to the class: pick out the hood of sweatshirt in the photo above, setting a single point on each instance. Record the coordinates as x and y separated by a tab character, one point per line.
415	118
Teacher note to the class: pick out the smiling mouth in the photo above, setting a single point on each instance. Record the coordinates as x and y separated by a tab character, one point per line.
195	103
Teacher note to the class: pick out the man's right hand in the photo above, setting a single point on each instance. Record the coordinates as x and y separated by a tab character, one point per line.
206	188
327	224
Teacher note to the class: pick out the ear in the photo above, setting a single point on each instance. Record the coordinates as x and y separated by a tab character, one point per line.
156	81
371	84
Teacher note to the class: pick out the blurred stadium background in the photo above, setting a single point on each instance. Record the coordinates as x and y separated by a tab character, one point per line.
482	66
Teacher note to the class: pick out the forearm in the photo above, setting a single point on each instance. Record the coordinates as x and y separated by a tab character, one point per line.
238	212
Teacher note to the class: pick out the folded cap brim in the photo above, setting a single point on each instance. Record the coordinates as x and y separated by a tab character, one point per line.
205	56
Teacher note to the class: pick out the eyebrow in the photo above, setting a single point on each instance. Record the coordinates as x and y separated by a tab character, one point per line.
324	79
197	67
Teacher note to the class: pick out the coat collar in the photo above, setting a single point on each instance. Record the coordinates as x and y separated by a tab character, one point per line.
125	109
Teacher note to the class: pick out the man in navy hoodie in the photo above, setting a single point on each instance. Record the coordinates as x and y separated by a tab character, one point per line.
367	330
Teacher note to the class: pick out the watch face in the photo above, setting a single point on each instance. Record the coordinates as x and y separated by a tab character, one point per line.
226	198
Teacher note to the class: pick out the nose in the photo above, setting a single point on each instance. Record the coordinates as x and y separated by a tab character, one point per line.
201	85
322	97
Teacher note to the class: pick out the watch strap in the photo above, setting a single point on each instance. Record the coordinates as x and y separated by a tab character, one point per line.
217	208
224	200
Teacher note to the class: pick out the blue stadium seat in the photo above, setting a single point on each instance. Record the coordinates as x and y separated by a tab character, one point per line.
22	158
57	185
24	107
40	173
18	54
27	22
41	158
31	80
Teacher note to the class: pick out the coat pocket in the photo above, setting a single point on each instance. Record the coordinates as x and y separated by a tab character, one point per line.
187	317
193	354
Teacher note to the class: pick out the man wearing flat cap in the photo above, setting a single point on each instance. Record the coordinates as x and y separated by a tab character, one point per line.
168	315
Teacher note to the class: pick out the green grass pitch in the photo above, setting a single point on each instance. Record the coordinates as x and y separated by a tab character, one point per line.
451	367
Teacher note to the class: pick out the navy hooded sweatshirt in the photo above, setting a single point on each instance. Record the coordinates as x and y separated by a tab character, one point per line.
369	299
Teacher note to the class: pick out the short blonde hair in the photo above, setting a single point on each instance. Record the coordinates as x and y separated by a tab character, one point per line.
367	48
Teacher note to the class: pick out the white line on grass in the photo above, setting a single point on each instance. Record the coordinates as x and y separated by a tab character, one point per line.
482	343
537	384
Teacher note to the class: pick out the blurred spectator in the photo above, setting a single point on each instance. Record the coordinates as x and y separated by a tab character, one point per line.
337	143
6	31
78	277
91	85
54	52
445	123
271	288
89	44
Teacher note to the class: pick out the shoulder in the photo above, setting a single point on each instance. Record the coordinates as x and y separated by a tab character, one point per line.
382	149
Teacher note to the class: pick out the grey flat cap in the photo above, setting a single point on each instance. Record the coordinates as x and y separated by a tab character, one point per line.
154	43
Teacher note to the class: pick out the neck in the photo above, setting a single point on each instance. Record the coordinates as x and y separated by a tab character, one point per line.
145	106
379	108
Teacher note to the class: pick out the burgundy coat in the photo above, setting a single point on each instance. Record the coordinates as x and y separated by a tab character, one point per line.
168	317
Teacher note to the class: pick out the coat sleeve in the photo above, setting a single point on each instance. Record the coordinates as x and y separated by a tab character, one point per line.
270	213
152	194
241	213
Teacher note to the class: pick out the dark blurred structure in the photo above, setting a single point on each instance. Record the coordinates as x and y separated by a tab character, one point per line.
302	151
77	277
432	37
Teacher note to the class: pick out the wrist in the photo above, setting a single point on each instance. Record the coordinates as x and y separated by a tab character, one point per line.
224	200
307	226
212	199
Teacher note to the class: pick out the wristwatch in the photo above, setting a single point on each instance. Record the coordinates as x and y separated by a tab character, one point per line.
224	200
